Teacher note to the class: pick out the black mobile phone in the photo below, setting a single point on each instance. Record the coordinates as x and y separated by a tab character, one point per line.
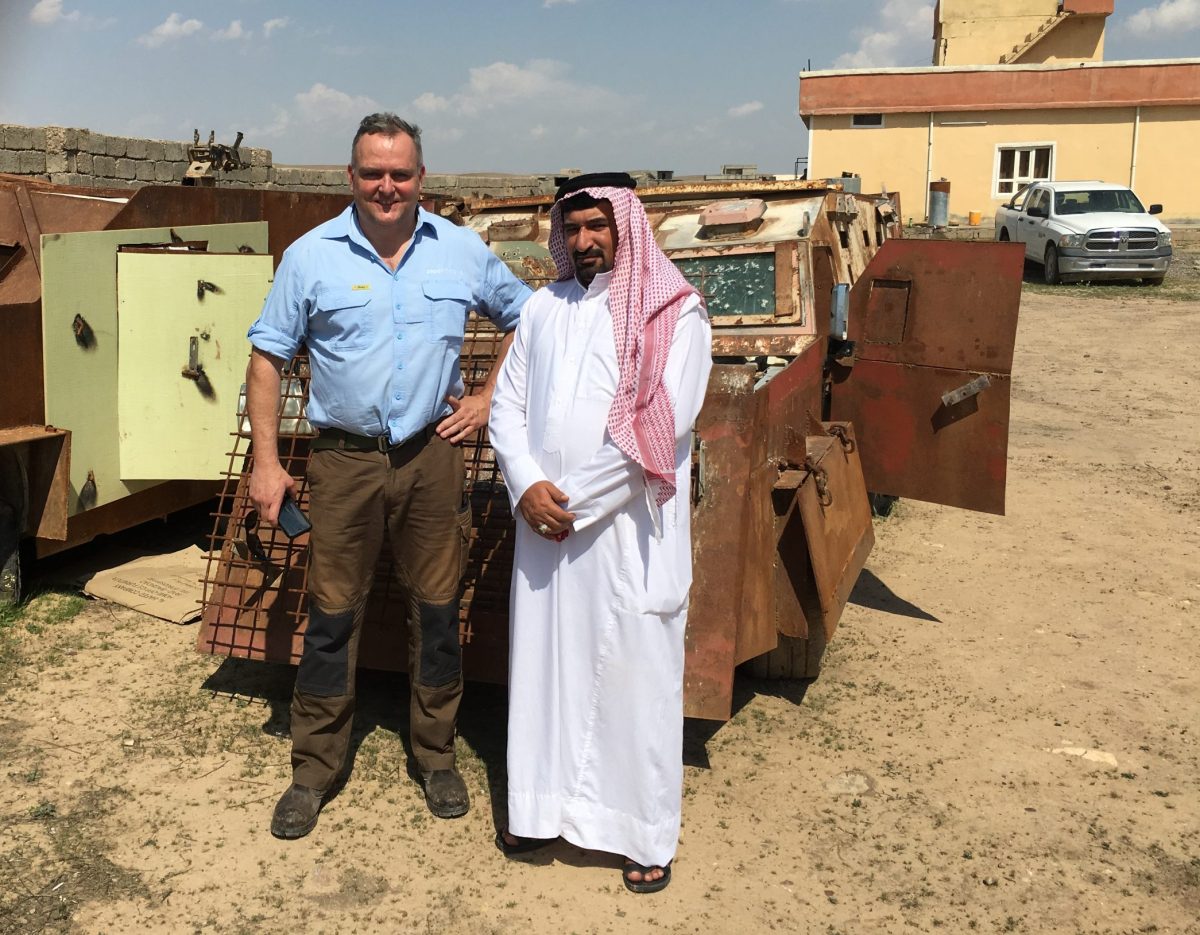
292	520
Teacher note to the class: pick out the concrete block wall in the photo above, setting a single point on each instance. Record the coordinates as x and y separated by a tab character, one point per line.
73	156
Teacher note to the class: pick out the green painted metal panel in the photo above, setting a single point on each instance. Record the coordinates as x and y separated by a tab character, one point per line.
182	358
734	283
79	277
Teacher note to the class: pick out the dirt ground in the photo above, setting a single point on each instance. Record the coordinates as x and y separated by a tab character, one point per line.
1004	737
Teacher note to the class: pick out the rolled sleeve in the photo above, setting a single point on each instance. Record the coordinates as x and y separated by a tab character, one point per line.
504	294
283	324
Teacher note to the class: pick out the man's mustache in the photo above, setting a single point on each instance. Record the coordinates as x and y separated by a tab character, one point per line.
595	253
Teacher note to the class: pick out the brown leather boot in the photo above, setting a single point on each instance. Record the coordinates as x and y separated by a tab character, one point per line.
296	812
446	793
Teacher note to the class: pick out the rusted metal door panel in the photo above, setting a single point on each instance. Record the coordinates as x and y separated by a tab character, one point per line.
824	534
40	458
929	318
793	404
837	521
21	375
913	445
939	303
754	626
728	451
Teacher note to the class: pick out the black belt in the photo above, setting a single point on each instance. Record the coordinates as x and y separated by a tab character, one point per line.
348	441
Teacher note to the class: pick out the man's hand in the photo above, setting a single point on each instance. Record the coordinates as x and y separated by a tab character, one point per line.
469	416
541	505
268	481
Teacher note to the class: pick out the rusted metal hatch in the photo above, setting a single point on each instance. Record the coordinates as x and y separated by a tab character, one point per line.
933	324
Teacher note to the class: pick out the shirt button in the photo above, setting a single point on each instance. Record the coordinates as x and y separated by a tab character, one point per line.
399	337
397	396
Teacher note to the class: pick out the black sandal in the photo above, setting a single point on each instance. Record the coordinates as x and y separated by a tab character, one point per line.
523	845
643	885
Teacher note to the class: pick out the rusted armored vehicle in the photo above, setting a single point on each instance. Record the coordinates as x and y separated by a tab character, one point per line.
847	360
122	325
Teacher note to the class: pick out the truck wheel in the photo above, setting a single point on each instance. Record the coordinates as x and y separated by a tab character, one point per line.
1003	235
1153	280
1050	266
793	658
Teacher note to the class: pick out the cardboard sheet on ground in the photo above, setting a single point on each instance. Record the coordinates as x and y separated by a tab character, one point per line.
164	586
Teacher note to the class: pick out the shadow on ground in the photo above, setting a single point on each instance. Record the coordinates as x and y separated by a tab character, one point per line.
381	703
874	594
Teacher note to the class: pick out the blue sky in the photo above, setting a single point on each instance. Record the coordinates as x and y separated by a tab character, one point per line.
514	86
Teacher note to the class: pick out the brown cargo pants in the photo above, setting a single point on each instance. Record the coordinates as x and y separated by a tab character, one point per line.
413	494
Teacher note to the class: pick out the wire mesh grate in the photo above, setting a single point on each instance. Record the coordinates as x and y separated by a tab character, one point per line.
255	603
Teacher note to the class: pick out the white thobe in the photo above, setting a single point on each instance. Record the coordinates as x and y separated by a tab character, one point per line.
595	725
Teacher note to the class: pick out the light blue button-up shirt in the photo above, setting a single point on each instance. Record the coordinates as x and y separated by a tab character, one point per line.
383	346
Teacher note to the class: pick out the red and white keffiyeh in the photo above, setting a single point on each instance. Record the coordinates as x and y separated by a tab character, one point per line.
645	295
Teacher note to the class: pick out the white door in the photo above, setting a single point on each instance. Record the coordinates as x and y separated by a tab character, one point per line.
182	322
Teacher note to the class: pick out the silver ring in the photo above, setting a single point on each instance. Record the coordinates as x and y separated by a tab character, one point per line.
543	529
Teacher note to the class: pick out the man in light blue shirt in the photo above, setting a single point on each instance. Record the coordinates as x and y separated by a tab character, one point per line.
379	296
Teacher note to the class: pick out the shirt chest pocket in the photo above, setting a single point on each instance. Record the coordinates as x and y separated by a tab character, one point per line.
443	310
342	319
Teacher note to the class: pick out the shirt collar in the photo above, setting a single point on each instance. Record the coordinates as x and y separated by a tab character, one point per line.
598	284
346	225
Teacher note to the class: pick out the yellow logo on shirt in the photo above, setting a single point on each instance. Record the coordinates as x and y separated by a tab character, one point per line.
364	287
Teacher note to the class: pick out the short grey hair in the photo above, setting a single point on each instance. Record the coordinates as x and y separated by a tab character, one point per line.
388	124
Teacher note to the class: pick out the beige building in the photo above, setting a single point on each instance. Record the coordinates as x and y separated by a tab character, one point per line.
1017	93
1019	32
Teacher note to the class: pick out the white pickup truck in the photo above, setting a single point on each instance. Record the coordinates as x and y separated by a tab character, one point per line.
1087	230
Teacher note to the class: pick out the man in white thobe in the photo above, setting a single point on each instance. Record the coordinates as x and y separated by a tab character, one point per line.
591	422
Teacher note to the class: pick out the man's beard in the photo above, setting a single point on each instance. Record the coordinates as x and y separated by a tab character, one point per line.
577	258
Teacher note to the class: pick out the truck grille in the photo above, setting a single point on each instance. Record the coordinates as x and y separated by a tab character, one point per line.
1121	241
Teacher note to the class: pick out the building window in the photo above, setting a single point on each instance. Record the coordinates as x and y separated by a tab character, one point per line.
1017	166
867	121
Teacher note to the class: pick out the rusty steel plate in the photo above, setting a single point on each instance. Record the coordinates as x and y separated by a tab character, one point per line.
837	521
288	214
793	405
940	303
929	318
915	446
728	449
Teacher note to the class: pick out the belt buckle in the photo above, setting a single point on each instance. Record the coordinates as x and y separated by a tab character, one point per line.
381	443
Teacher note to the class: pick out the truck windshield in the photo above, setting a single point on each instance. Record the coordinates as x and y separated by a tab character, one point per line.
1122	201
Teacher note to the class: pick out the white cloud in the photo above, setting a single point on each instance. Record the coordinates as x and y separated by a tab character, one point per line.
172	28
430	103
904	23
273	25
321	102
503	84
549	3
538	132
48	12
319	108
1166	19
233	31
745	110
